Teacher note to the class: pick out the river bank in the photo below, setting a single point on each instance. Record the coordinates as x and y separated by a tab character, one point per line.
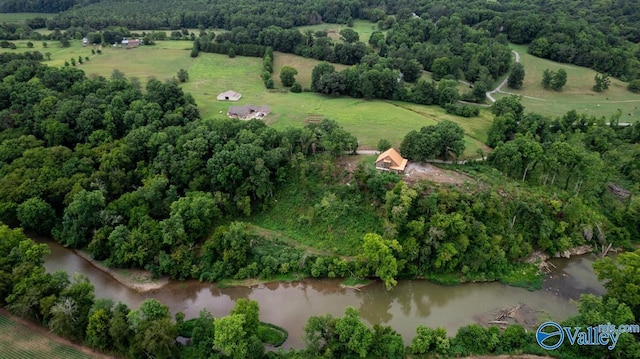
137	279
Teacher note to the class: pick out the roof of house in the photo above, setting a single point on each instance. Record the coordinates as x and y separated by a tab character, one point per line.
393	155
238	111
229	95
243	111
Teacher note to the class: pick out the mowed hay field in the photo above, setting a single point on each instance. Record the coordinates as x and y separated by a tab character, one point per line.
18	341
210	74
577	94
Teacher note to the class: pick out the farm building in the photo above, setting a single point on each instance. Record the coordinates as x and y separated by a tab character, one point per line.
130	43
390	160
248	112
229	96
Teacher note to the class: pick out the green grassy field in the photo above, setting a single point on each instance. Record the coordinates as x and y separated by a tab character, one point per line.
302	64
362	27
18	341
211	74
21	17
577	94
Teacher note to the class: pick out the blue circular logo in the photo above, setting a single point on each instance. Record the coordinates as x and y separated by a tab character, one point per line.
542	336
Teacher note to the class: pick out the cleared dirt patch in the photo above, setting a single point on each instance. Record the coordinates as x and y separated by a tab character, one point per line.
426	171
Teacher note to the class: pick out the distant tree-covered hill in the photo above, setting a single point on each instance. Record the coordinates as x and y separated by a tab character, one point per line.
48	6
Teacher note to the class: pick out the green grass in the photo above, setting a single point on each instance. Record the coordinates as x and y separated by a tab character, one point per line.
21	17
356	282
362	27
577	94
272	334
18	341
337	227
524	275
211	74
302	64
281	236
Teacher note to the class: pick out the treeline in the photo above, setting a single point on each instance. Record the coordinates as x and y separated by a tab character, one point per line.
377	82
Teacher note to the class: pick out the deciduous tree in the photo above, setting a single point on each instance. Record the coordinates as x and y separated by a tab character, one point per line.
349	35
36	215
547	78
230	336
183	75
287	76
602	83
559	80
80	218
378	255
516	78
623	278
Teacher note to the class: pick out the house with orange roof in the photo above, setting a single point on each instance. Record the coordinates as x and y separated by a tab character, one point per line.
390	160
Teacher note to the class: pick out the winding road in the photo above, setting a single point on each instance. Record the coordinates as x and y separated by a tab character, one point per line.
504	82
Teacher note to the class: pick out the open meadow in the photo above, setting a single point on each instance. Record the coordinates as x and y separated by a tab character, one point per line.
18	341
210	74
577	94
363	27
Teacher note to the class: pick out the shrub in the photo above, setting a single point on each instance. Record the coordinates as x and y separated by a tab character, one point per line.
296	88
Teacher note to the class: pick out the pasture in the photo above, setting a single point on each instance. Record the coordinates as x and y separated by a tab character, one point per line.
577	94
17	341
210	74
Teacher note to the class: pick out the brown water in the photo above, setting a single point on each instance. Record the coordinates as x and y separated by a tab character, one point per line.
410	304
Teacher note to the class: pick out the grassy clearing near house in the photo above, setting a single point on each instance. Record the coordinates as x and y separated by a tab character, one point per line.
211	74
21	17
18	341
362	27
577	94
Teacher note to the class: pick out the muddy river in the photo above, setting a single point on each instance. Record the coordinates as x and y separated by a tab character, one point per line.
411	303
